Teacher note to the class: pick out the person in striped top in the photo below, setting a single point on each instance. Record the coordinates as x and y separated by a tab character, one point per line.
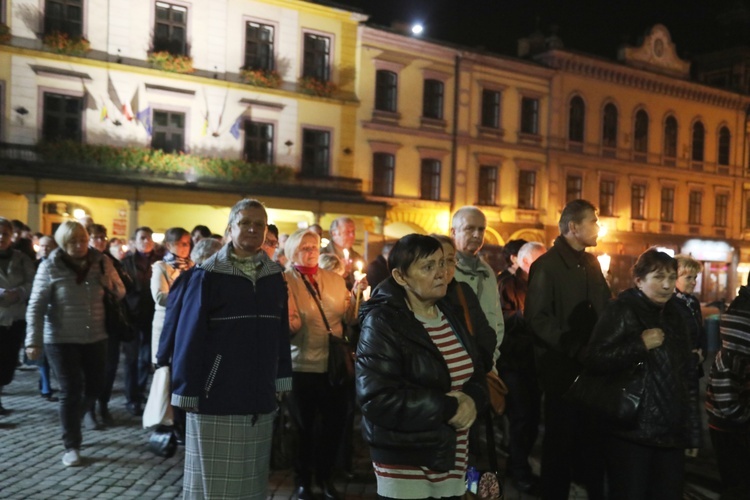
728	399
416	380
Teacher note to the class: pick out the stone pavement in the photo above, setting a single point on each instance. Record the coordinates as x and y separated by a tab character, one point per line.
117	462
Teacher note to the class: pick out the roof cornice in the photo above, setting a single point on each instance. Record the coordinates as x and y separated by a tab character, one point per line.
604	70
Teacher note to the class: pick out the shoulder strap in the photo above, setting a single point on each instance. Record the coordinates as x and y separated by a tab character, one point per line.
465	307
317	301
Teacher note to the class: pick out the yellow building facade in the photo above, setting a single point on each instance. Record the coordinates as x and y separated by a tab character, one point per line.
269	82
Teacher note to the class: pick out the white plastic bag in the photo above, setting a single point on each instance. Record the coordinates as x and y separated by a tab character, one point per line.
158	411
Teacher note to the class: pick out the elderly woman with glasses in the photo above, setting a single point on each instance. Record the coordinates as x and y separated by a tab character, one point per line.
323	305
420	382
66	316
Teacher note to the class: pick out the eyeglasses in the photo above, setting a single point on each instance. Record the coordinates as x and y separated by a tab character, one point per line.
309	248
271	244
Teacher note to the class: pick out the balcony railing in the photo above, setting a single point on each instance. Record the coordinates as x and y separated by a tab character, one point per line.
139	165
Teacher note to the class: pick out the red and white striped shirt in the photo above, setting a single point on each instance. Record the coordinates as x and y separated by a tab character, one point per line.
404	481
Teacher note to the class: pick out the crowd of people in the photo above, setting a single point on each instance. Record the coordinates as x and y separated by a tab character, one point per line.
416	346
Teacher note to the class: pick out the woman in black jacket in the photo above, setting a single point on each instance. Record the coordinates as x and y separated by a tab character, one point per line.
646	460
416	379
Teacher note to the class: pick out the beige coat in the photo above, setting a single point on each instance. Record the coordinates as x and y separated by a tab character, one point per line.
162	277
309	334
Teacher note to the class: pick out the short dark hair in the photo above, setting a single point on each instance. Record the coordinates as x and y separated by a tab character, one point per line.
174	234
144	229
97	229
574	212
511	248
203	230
653	260
409	249
273	229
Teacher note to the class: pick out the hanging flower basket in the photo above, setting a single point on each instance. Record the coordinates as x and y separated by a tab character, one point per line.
267	78
4	33
166	61
62	43
313	86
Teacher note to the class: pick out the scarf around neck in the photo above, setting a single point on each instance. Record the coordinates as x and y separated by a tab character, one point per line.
81	270
180	263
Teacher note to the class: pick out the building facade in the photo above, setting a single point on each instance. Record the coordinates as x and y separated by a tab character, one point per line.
116	108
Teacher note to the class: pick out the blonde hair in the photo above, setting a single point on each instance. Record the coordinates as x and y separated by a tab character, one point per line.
295	240
67	231
686	263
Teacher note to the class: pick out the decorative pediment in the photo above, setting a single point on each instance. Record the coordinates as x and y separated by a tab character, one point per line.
657	53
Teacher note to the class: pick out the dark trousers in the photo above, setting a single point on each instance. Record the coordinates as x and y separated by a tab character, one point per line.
137	365
733	459
11	338
638	472
571	450
522	408
380	497
80	372
320	411
110	372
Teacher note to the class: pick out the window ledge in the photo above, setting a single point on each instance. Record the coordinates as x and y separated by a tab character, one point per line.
529	138
385	116
490	131
433	122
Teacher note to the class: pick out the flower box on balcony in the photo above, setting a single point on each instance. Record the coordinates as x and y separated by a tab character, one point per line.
313	86
62	43
267	78
166	61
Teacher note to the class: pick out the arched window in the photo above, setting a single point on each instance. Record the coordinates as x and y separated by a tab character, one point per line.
609	126
699	136
576	119
670	137
640	132
724	141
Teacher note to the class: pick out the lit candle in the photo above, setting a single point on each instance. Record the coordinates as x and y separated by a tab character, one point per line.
358	274
346	257
358	277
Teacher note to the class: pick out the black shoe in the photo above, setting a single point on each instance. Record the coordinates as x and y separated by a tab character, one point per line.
529	485
50	397
106	415
304	492
134	409
329	491
3	411
91	423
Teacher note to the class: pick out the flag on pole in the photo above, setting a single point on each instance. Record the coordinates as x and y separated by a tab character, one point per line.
127	112
104	113
235	130
144	117
112	91
204	130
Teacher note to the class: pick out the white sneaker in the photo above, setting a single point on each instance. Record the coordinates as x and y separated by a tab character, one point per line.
71	458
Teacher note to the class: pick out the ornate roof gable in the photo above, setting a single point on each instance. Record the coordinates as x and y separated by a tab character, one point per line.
657	53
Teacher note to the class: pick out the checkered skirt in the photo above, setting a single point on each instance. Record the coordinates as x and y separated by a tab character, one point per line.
227	456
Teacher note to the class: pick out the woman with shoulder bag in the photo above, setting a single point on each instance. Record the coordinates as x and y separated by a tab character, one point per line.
323	306
65	315
645	458
419	379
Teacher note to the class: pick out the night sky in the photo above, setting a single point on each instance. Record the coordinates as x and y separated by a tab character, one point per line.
593	26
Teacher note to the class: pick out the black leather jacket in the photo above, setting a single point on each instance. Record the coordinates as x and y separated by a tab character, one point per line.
402	381
669	414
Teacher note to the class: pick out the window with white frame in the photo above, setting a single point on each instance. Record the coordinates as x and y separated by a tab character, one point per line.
317	57
62	117
258	142
168	132
170	29
259	46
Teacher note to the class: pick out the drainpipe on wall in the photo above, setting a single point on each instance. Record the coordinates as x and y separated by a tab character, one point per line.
454	133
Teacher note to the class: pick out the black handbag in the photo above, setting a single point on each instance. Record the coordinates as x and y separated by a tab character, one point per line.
340	352
486	484
163	442
615	396
116	316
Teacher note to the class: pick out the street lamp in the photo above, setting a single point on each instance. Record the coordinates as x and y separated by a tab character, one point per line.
417	29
